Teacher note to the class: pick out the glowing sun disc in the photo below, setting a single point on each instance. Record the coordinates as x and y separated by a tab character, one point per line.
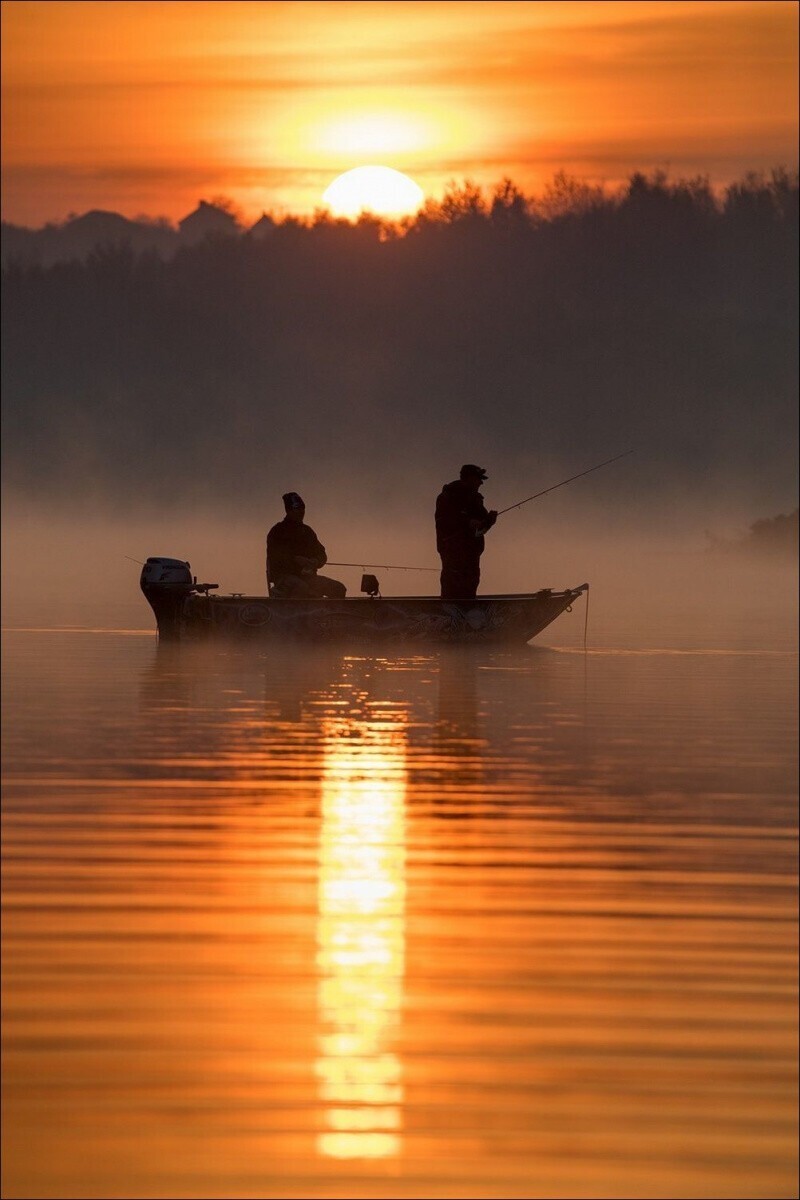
379	190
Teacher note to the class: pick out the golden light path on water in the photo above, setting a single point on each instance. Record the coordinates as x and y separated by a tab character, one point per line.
361	937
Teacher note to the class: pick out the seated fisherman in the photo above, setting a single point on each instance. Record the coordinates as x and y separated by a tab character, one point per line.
295	554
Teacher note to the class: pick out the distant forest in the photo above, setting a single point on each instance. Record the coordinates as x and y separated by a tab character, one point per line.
200	363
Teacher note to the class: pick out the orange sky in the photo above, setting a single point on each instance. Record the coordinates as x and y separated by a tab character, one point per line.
144	107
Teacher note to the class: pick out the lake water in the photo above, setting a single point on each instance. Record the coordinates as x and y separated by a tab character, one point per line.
435	922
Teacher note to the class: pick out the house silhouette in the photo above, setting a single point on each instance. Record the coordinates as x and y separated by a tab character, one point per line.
207	220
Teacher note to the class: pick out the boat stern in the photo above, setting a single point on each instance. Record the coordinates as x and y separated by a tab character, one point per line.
166	583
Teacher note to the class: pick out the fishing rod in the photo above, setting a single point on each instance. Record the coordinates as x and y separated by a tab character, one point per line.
381	566
563	481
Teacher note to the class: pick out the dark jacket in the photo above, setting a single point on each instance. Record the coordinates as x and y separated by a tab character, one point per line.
456	505
285	541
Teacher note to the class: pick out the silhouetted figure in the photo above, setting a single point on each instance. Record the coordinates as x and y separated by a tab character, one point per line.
461	521
295	554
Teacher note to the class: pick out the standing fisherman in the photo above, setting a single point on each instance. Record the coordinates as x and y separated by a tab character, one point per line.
461	522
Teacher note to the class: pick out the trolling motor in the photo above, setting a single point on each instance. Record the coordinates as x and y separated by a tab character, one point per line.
370	585
166	583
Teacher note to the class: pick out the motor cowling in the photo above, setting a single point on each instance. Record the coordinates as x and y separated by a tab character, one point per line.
166	582
168	573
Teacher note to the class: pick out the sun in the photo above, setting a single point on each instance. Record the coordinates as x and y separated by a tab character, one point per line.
379	190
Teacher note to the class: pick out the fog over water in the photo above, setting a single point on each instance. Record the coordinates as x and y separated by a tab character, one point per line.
656	589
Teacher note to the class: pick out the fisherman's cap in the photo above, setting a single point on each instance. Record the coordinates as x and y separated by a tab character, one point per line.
292	500
469	470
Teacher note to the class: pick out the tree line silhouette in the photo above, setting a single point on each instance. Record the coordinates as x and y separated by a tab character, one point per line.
548	329
768	537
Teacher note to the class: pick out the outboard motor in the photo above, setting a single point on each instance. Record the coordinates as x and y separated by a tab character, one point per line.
166	582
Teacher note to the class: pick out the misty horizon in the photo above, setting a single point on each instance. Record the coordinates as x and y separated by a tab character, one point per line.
330	358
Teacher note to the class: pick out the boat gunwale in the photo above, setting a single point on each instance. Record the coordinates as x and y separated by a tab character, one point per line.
243	597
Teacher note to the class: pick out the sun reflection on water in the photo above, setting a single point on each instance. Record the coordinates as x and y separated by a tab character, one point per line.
361	938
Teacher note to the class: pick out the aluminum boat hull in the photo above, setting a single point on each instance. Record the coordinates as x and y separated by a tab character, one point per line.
183	616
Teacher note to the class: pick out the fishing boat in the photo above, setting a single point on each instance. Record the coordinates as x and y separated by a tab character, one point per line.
186	610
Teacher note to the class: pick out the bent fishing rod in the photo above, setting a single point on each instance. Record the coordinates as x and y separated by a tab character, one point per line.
580	475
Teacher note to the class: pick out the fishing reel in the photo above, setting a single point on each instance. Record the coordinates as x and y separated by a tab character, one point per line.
370	585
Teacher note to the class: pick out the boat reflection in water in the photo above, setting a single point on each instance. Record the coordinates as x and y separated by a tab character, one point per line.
361	937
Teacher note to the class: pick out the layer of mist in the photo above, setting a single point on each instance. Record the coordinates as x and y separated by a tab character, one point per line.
645	590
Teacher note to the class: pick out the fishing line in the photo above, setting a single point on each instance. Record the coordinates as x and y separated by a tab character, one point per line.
380	566
586	620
